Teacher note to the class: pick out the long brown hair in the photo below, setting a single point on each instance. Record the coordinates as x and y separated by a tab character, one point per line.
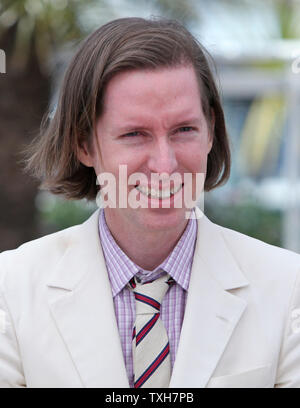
122	44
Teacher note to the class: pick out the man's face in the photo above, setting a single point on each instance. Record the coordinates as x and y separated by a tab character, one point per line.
152	122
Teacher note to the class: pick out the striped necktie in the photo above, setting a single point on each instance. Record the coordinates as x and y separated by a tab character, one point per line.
150	343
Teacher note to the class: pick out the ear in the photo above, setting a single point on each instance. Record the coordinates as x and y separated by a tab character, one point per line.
84	154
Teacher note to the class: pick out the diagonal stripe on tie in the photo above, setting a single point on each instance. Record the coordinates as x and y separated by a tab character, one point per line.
133	333
148	326
132	283
148	300
152	367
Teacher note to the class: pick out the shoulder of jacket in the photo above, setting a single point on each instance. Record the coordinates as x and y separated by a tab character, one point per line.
41	253
247	242
256	257
35	252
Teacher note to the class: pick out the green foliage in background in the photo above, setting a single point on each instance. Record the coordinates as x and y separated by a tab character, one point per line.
248	218
57	213
42	26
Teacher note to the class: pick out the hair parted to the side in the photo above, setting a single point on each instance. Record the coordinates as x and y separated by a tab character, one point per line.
122	44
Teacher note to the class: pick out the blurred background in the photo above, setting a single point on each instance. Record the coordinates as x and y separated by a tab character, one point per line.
256	47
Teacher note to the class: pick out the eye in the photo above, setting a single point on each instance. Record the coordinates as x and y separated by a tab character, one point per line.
185	129
132	134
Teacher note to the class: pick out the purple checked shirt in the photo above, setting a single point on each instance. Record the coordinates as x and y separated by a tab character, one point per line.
121	269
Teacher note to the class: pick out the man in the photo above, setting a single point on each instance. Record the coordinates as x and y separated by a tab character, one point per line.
153	295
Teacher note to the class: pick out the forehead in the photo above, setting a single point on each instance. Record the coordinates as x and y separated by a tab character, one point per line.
174	88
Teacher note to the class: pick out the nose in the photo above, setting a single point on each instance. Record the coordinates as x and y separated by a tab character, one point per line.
162	157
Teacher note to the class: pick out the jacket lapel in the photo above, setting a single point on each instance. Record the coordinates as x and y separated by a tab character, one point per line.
212	312
81	304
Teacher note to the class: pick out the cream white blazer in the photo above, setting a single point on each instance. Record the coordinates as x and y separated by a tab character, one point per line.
58	327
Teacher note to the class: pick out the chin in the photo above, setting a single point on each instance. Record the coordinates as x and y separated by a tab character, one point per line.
160	219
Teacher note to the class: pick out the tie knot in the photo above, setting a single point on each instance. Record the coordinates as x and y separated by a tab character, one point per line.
149	295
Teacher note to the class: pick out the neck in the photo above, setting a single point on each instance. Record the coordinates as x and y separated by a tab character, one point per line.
147	249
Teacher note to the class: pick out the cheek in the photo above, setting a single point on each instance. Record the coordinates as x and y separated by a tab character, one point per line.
193	157
116	155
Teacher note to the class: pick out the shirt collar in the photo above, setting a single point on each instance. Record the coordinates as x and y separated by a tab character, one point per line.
179	262
121	268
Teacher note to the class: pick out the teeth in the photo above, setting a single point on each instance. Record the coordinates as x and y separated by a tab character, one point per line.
162	194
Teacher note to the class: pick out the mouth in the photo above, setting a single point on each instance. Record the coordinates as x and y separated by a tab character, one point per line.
158	193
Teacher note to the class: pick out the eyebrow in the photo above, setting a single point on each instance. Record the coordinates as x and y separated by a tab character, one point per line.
189	121
133	126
